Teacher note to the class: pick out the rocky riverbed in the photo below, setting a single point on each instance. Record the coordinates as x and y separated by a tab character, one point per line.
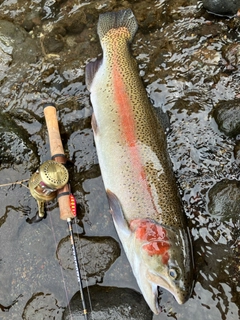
189	61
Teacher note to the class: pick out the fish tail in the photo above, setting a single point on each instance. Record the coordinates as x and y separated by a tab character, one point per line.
115	20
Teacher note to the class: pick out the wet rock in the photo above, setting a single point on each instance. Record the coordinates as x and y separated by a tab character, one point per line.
15	40
75	25
222	7
97	254
109	303
5	60
53	41
227	116
208	56
42	306
15	147
231	53
224	200
81	150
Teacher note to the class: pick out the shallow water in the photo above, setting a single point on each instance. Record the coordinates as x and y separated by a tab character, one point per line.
185	59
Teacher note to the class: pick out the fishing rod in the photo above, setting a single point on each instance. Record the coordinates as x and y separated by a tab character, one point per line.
50	181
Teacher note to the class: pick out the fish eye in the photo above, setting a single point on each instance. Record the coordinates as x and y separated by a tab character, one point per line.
173	273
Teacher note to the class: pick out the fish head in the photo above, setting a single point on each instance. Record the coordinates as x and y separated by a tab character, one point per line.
159	255
162	259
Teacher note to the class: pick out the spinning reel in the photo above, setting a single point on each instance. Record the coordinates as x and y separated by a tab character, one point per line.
44	183
51	179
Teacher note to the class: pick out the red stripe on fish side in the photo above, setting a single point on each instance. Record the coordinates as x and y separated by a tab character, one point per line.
127	121
155	235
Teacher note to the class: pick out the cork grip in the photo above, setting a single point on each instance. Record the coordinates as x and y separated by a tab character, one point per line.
56	148
53	130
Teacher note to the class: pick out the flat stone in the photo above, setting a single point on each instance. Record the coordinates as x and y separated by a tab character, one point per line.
109	303
42	306
98	254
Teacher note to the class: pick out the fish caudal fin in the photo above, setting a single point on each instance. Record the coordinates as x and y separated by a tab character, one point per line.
115	20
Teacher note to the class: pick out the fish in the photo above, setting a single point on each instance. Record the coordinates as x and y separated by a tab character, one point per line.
136	169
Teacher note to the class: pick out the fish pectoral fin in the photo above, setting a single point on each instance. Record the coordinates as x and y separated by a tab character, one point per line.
94	124
117	213
91	69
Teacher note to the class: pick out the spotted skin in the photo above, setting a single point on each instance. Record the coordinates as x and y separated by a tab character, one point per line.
134	162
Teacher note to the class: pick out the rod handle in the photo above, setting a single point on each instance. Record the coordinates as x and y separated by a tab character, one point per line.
55	141
64	203
57	154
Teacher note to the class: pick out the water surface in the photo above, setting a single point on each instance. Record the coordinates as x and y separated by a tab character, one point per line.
188	65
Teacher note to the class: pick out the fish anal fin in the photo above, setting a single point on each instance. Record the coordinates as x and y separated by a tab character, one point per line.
117	212
91	69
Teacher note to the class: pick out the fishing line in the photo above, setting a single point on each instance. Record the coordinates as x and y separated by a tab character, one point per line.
61	268
14	183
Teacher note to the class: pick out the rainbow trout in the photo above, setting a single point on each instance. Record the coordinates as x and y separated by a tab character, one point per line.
136	169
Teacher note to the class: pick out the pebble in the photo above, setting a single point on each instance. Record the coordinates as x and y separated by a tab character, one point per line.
227	116
224	200
222	7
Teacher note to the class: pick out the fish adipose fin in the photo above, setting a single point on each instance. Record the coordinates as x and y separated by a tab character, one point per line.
115	20
117	213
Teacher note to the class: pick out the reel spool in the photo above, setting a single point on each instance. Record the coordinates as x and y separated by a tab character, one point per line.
44	183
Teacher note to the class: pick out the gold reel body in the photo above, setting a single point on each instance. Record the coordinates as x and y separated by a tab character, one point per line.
45	182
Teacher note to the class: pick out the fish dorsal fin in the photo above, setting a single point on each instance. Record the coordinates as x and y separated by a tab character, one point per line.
117	213
91	69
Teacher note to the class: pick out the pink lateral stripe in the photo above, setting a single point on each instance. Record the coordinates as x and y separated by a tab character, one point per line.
127	122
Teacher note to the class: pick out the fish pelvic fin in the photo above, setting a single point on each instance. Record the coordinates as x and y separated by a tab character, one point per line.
118	215
115	20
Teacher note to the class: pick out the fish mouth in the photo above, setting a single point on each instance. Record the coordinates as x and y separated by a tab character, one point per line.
155	307
161	282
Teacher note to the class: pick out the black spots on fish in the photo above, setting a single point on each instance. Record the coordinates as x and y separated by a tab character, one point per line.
116	39
121	69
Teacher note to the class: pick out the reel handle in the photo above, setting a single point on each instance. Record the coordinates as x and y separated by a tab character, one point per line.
57	154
